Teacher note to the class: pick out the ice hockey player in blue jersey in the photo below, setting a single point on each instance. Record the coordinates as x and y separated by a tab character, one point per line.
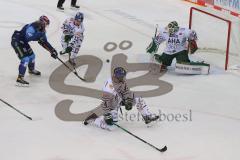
35	31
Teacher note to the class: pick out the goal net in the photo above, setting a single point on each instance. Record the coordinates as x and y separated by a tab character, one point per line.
218	36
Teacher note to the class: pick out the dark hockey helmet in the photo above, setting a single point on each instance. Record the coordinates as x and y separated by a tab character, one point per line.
173	27
44	19
119	73
79	16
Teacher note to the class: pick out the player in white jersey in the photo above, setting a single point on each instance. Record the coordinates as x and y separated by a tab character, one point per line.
116	94
178	42
72	36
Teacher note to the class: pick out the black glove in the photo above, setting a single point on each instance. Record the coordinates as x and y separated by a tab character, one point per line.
54	54
128	106
68	49
127	103
67	38
108	118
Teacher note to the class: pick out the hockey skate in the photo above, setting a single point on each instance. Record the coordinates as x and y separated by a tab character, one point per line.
150	118
60	8
90	118
34	72
75	7
21	82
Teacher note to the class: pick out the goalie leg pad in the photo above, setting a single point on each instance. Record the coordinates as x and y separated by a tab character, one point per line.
192	68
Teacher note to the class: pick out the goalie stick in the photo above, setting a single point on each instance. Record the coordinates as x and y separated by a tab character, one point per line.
153	67
160	150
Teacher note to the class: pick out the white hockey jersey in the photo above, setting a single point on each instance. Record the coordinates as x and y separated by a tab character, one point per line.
69	28
76	33
114	93
176	42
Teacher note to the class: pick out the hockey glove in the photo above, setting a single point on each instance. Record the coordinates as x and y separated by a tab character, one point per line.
108	118
128	103
67	38
54	54
68	49
152	47
192	46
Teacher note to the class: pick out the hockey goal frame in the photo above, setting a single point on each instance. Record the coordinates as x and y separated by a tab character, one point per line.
193	9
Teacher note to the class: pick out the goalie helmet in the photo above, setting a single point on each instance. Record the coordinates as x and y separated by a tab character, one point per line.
119	73
79	17
173	27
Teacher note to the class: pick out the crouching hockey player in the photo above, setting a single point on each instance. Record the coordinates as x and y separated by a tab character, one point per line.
35	31
72	36
177	42
115	94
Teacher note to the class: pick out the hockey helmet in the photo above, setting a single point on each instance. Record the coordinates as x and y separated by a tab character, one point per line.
79	16
119	73
173	27
44	20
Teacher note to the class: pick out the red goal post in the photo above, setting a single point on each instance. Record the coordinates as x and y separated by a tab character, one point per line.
229	27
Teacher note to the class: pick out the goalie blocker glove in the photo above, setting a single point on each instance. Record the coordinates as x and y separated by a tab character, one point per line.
192	46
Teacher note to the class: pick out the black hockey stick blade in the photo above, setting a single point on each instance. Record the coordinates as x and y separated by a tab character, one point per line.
160	150
163	149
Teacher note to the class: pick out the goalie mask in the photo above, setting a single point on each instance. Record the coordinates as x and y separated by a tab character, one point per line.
173	27
119	73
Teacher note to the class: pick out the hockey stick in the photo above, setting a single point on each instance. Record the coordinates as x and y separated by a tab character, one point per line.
45	46
153	67
160	150
16	109
75	72
156	29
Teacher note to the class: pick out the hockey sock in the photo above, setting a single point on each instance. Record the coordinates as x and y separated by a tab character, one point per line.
21	69
31	66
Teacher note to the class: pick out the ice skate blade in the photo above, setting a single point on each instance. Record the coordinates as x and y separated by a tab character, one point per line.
21	85
151	124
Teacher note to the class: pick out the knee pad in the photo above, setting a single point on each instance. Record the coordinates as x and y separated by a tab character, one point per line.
32	58
24	61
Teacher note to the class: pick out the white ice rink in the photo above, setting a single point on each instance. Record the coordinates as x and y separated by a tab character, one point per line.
209	105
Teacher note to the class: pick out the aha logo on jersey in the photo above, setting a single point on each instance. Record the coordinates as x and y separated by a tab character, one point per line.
173	40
